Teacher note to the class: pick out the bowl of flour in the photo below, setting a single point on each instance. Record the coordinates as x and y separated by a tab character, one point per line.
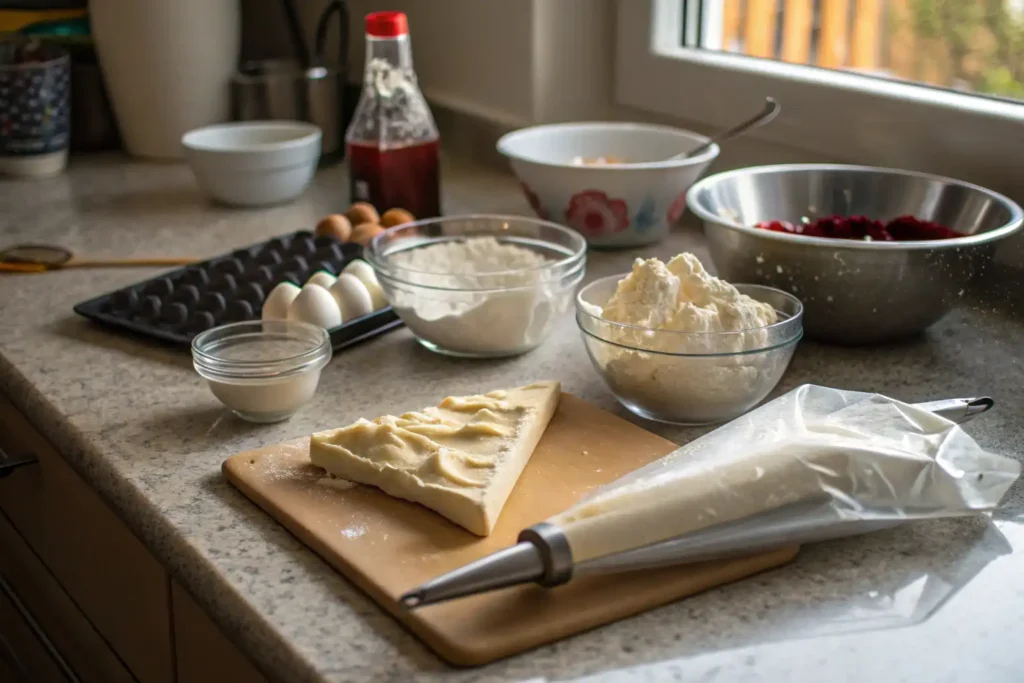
676	344
479	286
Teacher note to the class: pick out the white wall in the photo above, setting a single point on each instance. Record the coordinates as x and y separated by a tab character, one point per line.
574	59
473	56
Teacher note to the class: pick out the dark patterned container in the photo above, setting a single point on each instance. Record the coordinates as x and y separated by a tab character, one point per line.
35	86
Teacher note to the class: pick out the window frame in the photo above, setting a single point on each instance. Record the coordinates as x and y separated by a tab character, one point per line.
833	114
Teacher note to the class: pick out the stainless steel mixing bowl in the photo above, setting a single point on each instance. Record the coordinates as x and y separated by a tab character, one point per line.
853	292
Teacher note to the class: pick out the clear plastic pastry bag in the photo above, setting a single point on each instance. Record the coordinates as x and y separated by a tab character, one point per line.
814	464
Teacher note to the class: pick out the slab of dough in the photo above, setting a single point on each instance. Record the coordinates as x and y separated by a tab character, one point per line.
460	459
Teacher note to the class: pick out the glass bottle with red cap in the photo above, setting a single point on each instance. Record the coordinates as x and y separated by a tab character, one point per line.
392	143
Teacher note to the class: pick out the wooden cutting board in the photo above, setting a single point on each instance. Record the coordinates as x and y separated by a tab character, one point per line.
387	546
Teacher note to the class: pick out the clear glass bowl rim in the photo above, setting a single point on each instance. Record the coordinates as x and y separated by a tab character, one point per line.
212	366
568	279
749	352
588	323
376	257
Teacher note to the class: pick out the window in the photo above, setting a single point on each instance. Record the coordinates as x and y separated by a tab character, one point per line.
974	46
935	85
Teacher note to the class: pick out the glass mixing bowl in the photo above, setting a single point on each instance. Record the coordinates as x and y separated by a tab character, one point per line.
263	370
483	309
689	378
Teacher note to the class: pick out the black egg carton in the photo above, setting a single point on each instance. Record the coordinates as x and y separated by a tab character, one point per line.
177	306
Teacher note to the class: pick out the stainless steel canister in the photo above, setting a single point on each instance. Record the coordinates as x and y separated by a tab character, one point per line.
282	89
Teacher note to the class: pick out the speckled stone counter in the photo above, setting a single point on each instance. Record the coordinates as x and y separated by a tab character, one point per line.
937	601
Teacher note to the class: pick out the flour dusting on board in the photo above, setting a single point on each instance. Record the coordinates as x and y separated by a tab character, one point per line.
354	531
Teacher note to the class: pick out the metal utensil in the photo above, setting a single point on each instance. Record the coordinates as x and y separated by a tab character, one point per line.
300	47
766	115
284	89
853	292
339	8
38	258
542	554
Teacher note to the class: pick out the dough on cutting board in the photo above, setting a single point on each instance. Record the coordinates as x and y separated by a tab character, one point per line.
461	459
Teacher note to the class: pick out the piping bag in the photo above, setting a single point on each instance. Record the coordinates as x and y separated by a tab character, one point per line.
814	464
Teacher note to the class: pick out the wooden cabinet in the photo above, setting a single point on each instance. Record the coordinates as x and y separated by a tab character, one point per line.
26	656
105	573
204	654
54	612
81	599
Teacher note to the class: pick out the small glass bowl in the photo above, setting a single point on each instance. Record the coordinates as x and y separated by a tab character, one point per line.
262	370
480	314
689	378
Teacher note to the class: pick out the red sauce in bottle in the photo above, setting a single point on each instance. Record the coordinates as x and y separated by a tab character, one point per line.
392	143
406	177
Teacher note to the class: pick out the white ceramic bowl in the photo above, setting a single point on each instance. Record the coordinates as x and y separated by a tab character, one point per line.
255	163
613	205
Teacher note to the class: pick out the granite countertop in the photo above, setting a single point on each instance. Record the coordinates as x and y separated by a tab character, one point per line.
936	601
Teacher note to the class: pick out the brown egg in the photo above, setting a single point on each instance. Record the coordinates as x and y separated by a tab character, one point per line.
362	212
336	226
362	234
393	217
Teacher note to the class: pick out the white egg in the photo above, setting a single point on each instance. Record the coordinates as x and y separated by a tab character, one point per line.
352	297
363	271
275	306
316	306
322	278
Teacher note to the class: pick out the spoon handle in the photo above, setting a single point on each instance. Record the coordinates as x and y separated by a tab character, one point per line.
766	115
130	262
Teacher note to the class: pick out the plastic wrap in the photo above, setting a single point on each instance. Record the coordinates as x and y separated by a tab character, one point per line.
814	464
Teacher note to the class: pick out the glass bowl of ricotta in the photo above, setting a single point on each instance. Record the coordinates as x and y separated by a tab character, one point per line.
479	286
675	344
262	370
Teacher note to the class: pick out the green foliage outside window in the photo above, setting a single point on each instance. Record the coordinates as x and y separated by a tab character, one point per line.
979	44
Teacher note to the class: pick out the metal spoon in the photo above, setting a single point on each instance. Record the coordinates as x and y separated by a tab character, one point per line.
767	115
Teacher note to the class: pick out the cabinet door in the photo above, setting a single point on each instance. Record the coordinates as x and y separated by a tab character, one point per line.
24	652
55	612
120	588
203	652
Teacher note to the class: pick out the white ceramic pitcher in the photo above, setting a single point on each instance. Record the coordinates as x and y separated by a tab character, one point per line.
167	66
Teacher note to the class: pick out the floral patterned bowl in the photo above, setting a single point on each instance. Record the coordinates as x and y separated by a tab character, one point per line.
611	204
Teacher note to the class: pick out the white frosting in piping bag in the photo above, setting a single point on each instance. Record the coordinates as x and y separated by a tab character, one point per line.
867	456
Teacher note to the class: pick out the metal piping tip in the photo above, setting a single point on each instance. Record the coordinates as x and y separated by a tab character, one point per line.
959	410
521	563
542	556
977	406
412	599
